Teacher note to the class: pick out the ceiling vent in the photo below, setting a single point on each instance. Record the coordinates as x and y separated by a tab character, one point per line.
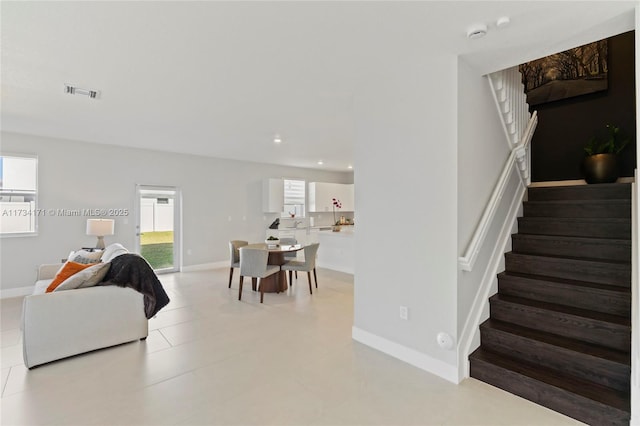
73	90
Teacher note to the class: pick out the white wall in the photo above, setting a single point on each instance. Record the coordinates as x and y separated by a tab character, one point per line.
406	244
77	175
482	153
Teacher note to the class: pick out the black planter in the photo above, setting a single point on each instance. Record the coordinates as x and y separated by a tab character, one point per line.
601	168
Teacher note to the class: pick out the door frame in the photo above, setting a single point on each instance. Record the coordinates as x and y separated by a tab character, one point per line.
177	223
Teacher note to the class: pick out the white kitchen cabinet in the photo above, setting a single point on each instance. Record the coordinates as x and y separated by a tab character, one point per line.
337	251
19	173
272	195
348	198
321	195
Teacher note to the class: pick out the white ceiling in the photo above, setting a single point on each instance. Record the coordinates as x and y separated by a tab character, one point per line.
221	78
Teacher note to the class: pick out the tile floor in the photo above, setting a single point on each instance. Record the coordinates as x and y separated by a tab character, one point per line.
212	360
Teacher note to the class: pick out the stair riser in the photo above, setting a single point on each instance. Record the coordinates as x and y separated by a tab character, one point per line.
572	269
597	370
575	228
580	192
578	210
599	300
572	405
603	250
601	333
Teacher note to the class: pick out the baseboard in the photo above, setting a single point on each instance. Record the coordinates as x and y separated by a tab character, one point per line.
16	292
205	266
345	269
410	356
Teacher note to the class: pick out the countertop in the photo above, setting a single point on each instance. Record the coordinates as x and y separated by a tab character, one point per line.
348	232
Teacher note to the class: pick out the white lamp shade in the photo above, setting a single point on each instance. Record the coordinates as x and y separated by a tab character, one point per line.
100	227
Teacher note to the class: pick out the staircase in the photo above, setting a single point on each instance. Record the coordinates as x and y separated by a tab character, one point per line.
559	333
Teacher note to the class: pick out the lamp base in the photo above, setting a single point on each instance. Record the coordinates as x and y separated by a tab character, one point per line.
100	243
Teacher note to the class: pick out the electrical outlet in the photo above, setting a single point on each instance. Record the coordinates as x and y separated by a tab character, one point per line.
445	341
404	313
189	252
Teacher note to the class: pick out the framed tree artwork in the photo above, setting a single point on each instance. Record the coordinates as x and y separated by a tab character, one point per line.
574	72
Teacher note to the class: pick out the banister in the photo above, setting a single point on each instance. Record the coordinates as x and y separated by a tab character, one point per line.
505	201
518	155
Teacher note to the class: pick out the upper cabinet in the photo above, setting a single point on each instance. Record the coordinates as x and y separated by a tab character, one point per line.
272	195
321	195
18	173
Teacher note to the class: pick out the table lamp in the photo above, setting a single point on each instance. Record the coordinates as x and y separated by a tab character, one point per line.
100	228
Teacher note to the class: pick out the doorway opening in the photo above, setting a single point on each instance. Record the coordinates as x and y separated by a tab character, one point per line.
158	226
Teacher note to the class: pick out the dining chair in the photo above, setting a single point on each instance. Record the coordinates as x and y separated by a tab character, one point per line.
307	266
253	263
293	255
234	254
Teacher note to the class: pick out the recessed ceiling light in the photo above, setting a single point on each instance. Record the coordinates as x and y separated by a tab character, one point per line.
349	167
320	163
277	139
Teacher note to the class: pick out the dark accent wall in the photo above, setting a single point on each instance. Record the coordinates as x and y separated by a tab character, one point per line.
565	126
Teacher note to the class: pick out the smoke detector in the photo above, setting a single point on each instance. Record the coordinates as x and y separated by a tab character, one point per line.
503	22
476	31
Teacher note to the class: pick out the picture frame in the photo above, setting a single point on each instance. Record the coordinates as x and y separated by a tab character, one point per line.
574	72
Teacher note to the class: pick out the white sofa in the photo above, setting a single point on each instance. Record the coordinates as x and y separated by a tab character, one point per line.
61	324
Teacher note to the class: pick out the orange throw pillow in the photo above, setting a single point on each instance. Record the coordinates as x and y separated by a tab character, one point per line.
67	270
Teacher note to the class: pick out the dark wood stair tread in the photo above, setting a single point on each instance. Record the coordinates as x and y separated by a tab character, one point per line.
578	208
560	341
593	220
577	258
601	191
589	220
584	313
577	283
592	391
585	227
616	201
594	240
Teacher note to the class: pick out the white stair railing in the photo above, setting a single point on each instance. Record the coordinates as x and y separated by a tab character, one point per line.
502	208
511	100
520	156
519	126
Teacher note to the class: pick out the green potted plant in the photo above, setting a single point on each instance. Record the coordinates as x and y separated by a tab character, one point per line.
601	163
272	241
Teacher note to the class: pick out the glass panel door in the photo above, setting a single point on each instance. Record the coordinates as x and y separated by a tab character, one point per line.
158	226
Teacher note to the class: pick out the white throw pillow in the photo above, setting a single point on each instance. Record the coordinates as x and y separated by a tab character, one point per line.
113	251
85	256
88	277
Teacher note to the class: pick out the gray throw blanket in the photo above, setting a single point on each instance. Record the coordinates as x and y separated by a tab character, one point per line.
131	270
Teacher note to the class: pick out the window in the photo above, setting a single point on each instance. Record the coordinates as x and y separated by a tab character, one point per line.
18	194
294	196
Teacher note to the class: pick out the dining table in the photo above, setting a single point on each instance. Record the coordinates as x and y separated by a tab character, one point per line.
277	282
